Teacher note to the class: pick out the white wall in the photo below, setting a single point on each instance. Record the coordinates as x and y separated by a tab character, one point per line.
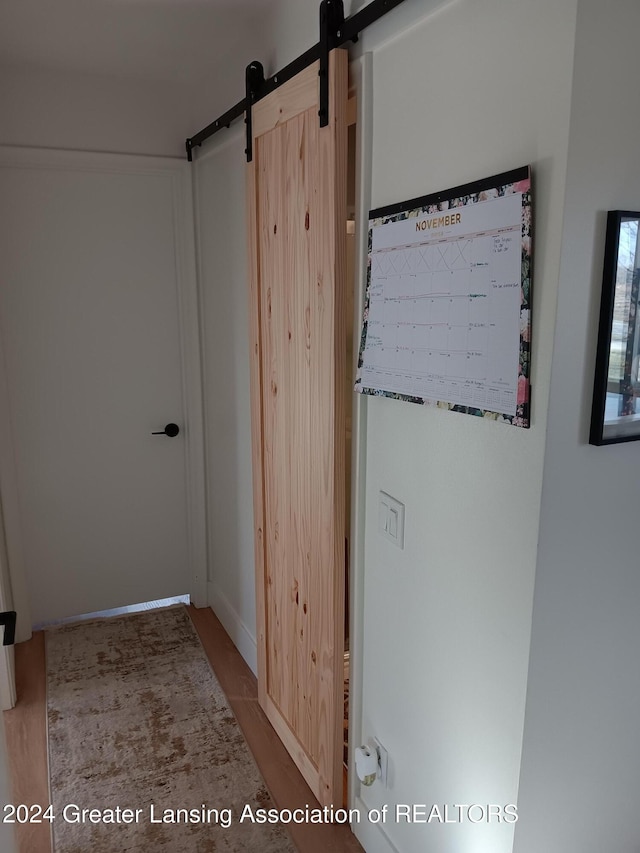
295	27
219	176
91	112
478	88
581	756
57	109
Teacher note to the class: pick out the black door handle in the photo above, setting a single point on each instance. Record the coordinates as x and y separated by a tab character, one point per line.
171	430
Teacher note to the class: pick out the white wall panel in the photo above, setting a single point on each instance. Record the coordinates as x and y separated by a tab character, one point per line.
476	89
219	181
581	756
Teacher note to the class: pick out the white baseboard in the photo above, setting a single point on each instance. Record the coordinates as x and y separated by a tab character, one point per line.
370	835
242	637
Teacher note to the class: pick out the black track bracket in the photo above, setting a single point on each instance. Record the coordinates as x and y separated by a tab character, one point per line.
253	83
331	23
334	32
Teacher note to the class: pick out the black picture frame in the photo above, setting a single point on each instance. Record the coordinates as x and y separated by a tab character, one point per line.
615	411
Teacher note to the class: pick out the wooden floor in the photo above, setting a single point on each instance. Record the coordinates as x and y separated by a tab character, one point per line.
26	732
27	740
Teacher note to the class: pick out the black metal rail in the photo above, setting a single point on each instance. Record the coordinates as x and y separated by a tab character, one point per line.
335	31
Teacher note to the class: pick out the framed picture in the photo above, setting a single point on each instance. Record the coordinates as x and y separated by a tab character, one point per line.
615	413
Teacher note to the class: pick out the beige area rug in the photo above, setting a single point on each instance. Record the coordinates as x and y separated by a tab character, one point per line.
137	721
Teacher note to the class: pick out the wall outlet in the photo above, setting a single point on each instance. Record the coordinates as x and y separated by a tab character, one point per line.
391	519
383	760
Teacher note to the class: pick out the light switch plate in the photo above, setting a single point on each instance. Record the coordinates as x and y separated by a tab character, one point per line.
391	519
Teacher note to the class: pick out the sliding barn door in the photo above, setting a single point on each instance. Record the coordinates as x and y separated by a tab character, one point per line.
297	227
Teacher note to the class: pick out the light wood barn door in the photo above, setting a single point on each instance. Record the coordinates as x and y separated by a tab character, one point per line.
297	231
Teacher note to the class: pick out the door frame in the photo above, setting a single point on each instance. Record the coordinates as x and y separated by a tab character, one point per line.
7	656
361	85
14	573
19	158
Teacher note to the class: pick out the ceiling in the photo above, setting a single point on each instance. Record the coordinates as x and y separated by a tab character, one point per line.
162	40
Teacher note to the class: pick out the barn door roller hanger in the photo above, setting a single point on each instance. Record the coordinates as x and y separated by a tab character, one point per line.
335	31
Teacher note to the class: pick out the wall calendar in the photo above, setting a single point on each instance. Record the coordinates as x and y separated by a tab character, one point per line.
447	318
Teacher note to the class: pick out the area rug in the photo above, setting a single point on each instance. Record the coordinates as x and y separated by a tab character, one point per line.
144	752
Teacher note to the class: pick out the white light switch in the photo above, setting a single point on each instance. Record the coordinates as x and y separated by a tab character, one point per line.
391	519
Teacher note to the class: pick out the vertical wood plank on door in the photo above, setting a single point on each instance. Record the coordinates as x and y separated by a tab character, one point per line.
322	411
301	697
275	395
298	200
333	771
255	378
328	419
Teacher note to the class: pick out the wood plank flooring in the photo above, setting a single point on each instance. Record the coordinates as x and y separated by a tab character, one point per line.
27	745
26	731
